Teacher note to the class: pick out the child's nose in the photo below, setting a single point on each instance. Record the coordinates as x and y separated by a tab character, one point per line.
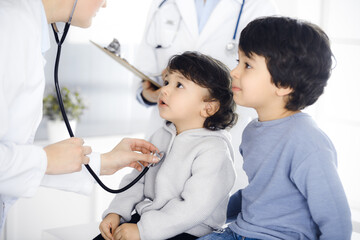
235	73
164	90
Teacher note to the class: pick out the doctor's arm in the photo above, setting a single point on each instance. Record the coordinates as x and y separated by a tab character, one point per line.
23	165
148	94
125	154
66	156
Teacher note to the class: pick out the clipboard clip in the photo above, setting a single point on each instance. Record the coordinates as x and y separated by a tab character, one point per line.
114	47
113	51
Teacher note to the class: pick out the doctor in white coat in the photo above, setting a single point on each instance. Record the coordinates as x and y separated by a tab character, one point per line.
23	166
211	27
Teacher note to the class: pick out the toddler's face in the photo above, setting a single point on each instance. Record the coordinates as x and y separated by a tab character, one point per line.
181	100
251	85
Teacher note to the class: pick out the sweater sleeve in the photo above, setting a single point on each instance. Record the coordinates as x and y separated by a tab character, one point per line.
124	203
317	179
211	181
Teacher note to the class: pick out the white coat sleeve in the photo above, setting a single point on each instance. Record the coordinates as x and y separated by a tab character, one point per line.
80	182
22	165
21	168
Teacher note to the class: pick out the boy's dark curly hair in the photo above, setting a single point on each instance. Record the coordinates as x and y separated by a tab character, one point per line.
297	54
213	75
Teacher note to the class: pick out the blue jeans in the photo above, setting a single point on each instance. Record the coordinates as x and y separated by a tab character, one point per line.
227	234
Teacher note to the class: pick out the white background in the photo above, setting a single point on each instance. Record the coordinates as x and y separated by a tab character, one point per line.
113	112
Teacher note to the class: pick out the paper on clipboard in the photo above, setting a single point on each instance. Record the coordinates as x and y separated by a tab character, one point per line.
127	65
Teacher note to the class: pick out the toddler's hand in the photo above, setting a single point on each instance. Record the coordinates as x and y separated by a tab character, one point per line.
107	226
127	231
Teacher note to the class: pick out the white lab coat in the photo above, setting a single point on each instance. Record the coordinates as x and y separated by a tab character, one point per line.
22	80
176	23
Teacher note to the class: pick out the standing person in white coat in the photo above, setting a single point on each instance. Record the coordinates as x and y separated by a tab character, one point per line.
23	166
211	27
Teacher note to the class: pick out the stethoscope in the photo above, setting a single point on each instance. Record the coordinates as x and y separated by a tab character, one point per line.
160	155
232	45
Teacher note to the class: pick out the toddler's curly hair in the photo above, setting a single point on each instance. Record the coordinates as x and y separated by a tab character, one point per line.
212	74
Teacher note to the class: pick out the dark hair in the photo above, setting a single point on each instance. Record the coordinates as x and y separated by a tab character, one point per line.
297	54
213	75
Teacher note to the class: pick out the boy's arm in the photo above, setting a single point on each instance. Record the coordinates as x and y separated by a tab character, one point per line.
234	207
212	178
317	179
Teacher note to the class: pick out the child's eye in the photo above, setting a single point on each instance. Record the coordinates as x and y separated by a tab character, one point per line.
247	66
179	85
166	82
237	60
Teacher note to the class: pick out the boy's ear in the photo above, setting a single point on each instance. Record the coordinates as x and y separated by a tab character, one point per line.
210	108
282	92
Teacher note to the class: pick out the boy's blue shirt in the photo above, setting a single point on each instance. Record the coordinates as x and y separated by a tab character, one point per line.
294	190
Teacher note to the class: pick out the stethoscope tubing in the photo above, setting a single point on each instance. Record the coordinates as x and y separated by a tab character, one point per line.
237	22
66	120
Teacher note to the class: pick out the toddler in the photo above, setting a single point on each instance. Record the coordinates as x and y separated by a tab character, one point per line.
186	195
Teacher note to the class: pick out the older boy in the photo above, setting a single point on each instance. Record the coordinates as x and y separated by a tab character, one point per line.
294	190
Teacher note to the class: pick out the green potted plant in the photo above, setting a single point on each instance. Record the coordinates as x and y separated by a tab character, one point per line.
74	107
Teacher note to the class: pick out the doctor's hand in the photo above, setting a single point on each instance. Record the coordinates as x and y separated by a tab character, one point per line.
66	156
127	231
127	154
108	225
150	92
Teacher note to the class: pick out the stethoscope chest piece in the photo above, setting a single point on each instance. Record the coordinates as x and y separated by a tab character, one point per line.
231	46
161	155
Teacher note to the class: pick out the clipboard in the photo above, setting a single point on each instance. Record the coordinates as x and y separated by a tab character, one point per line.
127	65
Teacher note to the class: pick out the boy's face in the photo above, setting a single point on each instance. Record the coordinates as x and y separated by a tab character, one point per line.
252	85
181	101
